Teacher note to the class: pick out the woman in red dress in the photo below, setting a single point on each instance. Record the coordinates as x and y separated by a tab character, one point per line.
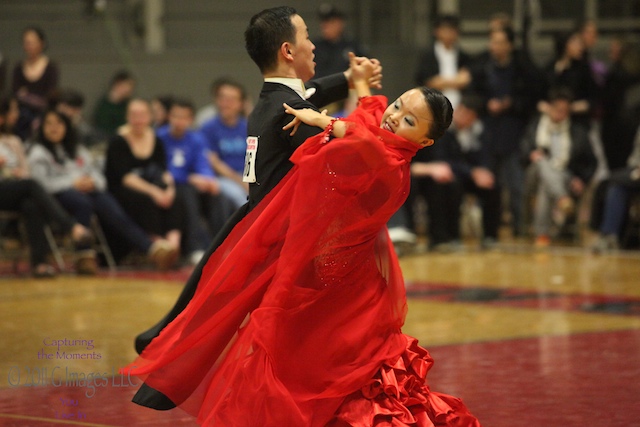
297	318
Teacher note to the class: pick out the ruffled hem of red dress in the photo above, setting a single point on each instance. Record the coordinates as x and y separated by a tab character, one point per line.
398	396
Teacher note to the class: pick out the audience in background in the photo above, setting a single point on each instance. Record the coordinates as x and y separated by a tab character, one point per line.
226	135
20	193
150	155
136	173
562	163
35	81
67	170
111	110
197	186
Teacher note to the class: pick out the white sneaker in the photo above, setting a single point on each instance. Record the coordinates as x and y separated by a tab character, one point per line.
195	257
402	235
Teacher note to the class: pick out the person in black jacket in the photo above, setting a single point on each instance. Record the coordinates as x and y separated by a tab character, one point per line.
445	66
277	40
507	82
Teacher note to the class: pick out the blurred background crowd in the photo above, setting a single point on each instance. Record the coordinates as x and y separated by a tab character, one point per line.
123	138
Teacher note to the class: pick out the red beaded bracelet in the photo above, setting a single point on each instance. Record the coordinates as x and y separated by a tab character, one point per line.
329	129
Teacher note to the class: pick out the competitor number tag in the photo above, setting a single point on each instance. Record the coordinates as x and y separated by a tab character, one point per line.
249	174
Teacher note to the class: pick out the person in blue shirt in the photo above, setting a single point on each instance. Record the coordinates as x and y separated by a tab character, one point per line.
226	135
196	183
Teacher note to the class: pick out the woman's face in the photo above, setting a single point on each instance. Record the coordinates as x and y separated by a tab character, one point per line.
409	117
53	128
31	44
575	47
138	115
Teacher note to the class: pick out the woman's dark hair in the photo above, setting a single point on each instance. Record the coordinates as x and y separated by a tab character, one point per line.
560	42
165	100
265	34
441	110
38	31
69	142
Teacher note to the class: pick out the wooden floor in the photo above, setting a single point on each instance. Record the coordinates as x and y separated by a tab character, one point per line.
525	338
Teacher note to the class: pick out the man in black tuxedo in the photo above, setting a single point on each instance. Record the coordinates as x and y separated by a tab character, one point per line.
278	42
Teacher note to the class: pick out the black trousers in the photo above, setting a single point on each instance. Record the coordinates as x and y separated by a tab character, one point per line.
38	208
443	207
147	396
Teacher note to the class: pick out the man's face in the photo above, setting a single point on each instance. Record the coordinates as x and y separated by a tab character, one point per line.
447	35
464	117
180	120
302	50
332	29
499	45
229	102
560	110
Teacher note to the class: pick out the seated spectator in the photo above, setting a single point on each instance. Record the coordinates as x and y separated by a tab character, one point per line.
197	186
136	172
561	161
66	170
455	165
70	103
111	110
35	81
610	209
226	135
20	193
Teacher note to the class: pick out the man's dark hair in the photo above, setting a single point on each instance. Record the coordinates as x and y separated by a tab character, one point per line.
227	81
473	102
184	103
120	76
441	110
327	12
265	34
558	93
447	21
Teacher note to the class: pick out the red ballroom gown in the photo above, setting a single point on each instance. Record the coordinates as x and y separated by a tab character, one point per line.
297	318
